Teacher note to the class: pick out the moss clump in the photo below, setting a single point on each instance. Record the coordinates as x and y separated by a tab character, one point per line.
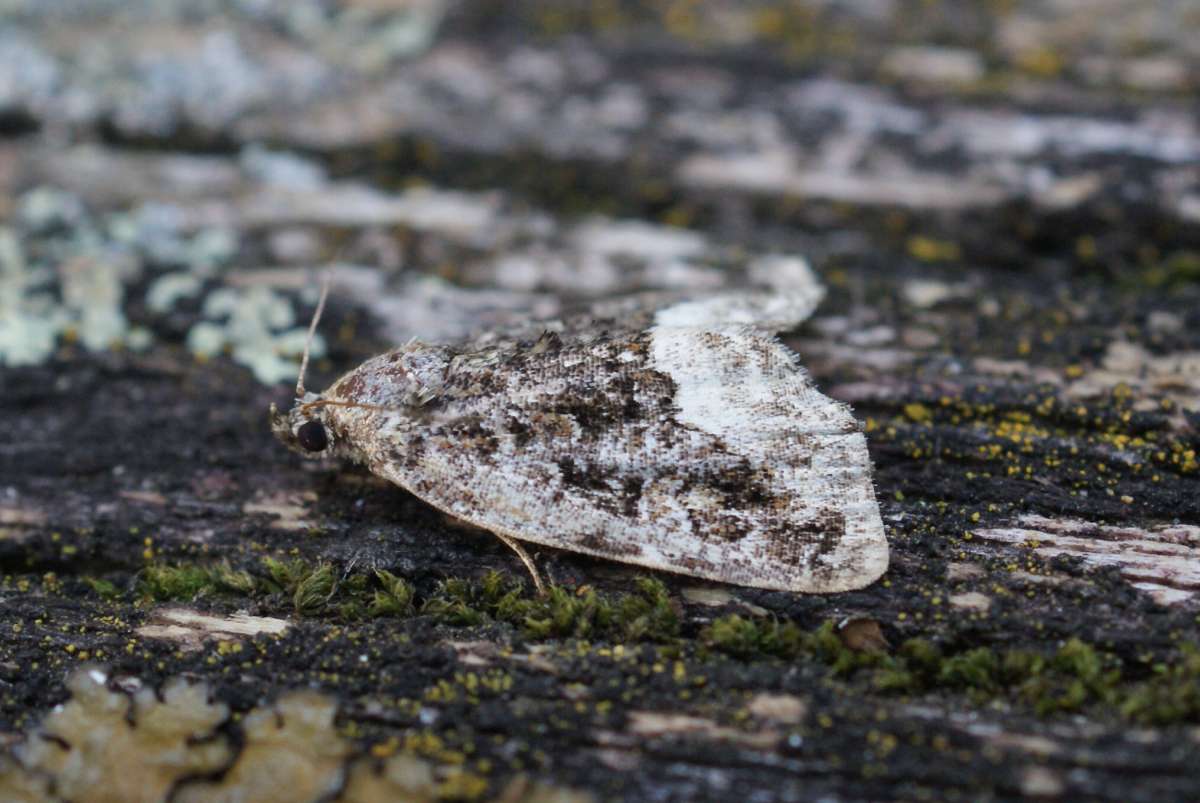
393	598
745	638
1180	269
562	613
454	603
104	588
1075	676
315	590
237	581
646	614
163	582
1078	674
1172	694
311	588
284	576
976	670
915	661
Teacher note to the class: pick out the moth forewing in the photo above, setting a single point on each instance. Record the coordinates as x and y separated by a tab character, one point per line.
687	446
701	452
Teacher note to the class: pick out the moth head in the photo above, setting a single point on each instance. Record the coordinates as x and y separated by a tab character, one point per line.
338	421
307	428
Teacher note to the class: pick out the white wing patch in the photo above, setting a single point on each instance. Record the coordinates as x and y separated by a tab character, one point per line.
762	405
790	294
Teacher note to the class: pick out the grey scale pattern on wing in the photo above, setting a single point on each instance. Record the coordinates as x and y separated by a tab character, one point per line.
700	450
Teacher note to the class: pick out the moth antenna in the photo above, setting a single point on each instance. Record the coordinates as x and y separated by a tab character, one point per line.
312	331
335	403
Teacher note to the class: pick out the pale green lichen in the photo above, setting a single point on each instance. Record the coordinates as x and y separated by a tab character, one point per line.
65	277
256	326
30	321
169	290
157	231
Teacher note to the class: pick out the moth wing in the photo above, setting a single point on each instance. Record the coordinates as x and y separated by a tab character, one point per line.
778	294
706	452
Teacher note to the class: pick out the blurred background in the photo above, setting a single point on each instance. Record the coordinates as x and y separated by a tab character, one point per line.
1001	198
170	171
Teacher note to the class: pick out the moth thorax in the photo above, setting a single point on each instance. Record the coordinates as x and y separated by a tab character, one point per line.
425	369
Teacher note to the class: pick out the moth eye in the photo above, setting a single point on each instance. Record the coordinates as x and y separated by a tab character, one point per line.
312	436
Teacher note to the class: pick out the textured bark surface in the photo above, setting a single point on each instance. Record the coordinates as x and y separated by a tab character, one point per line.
1008	225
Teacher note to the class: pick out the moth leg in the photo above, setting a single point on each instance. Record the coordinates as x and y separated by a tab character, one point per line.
515	546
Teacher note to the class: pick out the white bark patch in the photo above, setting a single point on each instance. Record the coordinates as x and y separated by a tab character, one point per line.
289	509
191	628
21	517
971	601
1163	561
664	724
1174	376
785	709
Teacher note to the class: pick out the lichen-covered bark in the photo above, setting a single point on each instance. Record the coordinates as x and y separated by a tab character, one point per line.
1008	228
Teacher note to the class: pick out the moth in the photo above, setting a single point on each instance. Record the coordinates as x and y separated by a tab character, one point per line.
678	435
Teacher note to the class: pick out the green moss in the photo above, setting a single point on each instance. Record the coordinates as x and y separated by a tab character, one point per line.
1171	695
310	588
560	613
393	598
226	578
352	609
314	590
1179	270
104	588
563	613
745	638
916	666
1077	675
452	604
163	582
749	638
733	635
648	614
976	670
284	576
920	655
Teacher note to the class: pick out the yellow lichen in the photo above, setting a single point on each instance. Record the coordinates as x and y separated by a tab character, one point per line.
291	745
87	743
21	785
400	777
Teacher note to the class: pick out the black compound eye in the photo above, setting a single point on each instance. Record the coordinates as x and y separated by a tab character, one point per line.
312	436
